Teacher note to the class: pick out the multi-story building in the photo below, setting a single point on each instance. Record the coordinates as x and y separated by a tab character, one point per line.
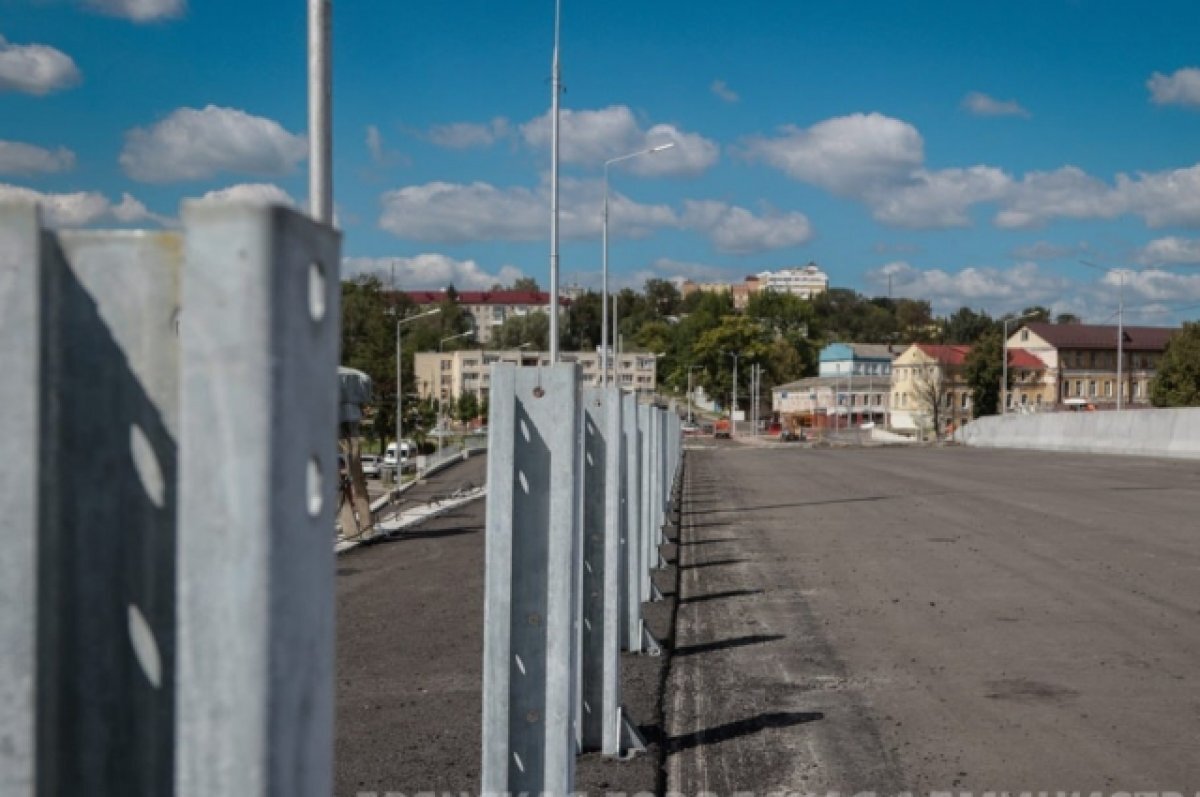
857	359
853	387
1081	362
922	376
803	281
447	375
490	309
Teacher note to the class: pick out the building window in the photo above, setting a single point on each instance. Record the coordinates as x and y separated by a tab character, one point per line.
1108	389
1092	388
470	363
1024	335
1137	389
966	400
447	365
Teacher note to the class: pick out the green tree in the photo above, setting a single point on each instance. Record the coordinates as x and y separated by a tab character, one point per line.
983	371
1036	314
739	335
966	326
1067	318
369	344
581	324
467	407
531	328
1177	382
525	284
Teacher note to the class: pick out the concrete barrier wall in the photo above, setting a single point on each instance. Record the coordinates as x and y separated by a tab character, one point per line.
1147	433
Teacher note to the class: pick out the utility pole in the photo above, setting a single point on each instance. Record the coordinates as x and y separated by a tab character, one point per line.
320	112
555	91
1120	338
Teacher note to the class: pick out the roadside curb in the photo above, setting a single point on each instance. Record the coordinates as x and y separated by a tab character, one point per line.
412	517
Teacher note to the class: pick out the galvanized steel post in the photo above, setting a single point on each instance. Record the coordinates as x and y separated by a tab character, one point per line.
631	603
529	611
600	649
256	586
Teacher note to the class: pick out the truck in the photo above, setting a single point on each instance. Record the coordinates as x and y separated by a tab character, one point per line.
722	429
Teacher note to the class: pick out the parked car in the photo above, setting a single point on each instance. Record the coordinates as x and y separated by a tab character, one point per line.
690	428
371	466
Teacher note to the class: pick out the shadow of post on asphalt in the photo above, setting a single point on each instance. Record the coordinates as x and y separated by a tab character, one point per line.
738	728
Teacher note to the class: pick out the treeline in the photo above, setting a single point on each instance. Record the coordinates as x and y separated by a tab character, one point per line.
697	334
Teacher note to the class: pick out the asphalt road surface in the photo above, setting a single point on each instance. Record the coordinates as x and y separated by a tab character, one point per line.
926	619
409	660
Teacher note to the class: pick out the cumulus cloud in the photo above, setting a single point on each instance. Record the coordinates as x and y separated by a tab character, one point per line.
593	137
1182	87
998	289
430	271
1171	249
254	193
736	230
81	208
723	91
980	104
846	155
35	69
192	144
1161	199
937	199
18	158
139	10
467	135
458	212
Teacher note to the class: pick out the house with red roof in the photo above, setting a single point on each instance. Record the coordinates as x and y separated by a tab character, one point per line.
490	309
1081	362
929	392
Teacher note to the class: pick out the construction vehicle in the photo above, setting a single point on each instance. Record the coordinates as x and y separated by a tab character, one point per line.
722	429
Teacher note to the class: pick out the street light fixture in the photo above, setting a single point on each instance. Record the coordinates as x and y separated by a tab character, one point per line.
1004	358
604	291
399	393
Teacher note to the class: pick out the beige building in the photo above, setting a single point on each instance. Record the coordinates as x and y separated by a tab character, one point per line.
1081	362
922	375
803	281
447	375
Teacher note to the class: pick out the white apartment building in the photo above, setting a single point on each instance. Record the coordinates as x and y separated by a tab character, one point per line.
803	281
447	375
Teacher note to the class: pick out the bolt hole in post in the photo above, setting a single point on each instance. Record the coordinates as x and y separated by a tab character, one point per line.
315	497
145	462
316	291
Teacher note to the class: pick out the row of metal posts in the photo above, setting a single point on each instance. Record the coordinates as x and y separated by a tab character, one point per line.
579	488
169	426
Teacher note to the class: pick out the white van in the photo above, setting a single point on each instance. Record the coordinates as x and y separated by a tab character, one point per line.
397	455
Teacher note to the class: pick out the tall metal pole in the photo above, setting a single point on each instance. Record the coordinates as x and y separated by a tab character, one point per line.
1120	339
1004	373
320	111
604	296
555	90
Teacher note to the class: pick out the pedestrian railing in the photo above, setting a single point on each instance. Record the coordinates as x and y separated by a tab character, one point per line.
166	589
580	481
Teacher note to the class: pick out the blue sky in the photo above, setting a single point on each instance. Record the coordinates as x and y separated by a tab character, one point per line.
973	153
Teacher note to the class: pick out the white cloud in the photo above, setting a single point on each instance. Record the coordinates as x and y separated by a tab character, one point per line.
35	69
193	144
457	212
999	290
938	199
81	208
466	135
846	155
1171	249
723	91
139	10
1159	198
254	193
382	156
1179	88
429	271
980	104
697	272
1154	286
736	230
18	158
592	137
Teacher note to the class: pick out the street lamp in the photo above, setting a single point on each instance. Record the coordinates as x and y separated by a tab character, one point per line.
1004	358
1120	323
441	401
733	406
691	395
604	291
399	393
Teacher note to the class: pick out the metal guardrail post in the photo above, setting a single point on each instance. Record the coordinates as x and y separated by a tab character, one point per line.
21	314
631	603
256	584
600	649
87	620
532	557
